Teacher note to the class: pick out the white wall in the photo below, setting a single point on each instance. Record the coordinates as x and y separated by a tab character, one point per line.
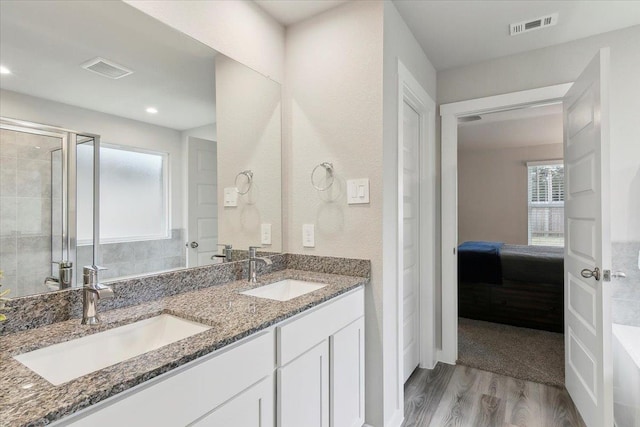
492	192
249	134
239	29
112	129
560	64
333	113
399	44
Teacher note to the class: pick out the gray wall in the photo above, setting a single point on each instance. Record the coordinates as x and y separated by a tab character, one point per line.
492	192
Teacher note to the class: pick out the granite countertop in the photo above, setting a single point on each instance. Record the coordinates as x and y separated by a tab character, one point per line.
27	399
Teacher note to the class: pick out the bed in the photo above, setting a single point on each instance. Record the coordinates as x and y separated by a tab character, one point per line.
512	284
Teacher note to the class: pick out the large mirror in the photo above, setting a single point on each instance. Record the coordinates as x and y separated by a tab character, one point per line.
189	147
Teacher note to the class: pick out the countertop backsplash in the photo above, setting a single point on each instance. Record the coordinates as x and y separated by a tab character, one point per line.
33	311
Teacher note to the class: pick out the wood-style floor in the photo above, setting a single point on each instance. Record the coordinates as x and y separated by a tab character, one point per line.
466	397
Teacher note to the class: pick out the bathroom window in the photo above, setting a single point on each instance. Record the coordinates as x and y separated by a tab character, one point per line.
546	203
134	194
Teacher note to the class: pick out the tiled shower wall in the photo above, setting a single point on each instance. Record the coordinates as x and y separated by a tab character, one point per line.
135	258
25	210
626	292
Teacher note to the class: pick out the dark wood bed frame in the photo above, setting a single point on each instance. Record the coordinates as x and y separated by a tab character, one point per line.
528	305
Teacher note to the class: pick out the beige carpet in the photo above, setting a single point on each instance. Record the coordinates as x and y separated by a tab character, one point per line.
527	354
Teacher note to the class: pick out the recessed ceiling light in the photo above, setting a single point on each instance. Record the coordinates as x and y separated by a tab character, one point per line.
4	70
152	110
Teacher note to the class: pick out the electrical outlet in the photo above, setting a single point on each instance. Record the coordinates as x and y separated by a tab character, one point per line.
265	234
308	236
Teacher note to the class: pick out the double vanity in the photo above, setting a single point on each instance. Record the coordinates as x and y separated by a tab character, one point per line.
286	351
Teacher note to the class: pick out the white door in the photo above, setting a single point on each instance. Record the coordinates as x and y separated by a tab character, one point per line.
588	362
202	202
411	238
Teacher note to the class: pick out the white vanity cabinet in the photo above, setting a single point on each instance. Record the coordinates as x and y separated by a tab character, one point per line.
320	379
231	384
307	371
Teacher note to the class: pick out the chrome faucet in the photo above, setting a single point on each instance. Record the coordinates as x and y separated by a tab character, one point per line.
92	291
227	251
65	276
253	260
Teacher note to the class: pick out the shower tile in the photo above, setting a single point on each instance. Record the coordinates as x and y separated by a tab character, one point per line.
8	146
117	252
626	312
8	176
34	216
146	250
34	178
84	255
9	255
117	270
8	216
10	281
173	247
37	147
31	284
174	262
34	254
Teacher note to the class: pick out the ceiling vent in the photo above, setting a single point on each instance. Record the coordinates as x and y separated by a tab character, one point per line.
106	68
533	24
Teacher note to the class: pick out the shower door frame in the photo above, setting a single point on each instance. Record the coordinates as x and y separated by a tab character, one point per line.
69	184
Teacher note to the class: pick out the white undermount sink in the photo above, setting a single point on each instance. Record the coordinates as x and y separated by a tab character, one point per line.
69	360
284	290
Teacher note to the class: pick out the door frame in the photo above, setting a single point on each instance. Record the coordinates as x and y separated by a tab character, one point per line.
449	189
411	92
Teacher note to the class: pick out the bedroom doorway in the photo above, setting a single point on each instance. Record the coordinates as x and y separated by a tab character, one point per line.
511	243
587	267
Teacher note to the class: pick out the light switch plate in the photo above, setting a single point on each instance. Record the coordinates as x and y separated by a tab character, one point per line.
265	234
358	191
308	236
230	197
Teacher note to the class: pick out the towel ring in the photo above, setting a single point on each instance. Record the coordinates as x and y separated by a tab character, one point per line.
328	167
249	175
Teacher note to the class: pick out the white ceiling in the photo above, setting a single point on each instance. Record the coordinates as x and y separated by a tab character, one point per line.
462	32
44	43
289	12
514	128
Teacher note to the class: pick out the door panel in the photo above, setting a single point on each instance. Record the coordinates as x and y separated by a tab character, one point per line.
203	201
587	299
303	389
411	225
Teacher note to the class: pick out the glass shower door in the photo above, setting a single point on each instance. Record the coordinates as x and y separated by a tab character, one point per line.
41	198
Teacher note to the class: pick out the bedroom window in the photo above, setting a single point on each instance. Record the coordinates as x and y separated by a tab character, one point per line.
546	203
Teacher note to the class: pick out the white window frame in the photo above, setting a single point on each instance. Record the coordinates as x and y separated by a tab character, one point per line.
554	162
166	234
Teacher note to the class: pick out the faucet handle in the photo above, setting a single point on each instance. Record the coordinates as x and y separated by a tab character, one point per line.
63	263
225	245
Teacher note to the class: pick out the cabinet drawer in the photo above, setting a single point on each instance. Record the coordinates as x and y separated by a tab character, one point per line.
301	333
185	394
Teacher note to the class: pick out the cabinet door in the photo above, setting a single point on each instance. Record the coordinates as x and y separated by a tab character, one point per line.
346	349
303	389
251	408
